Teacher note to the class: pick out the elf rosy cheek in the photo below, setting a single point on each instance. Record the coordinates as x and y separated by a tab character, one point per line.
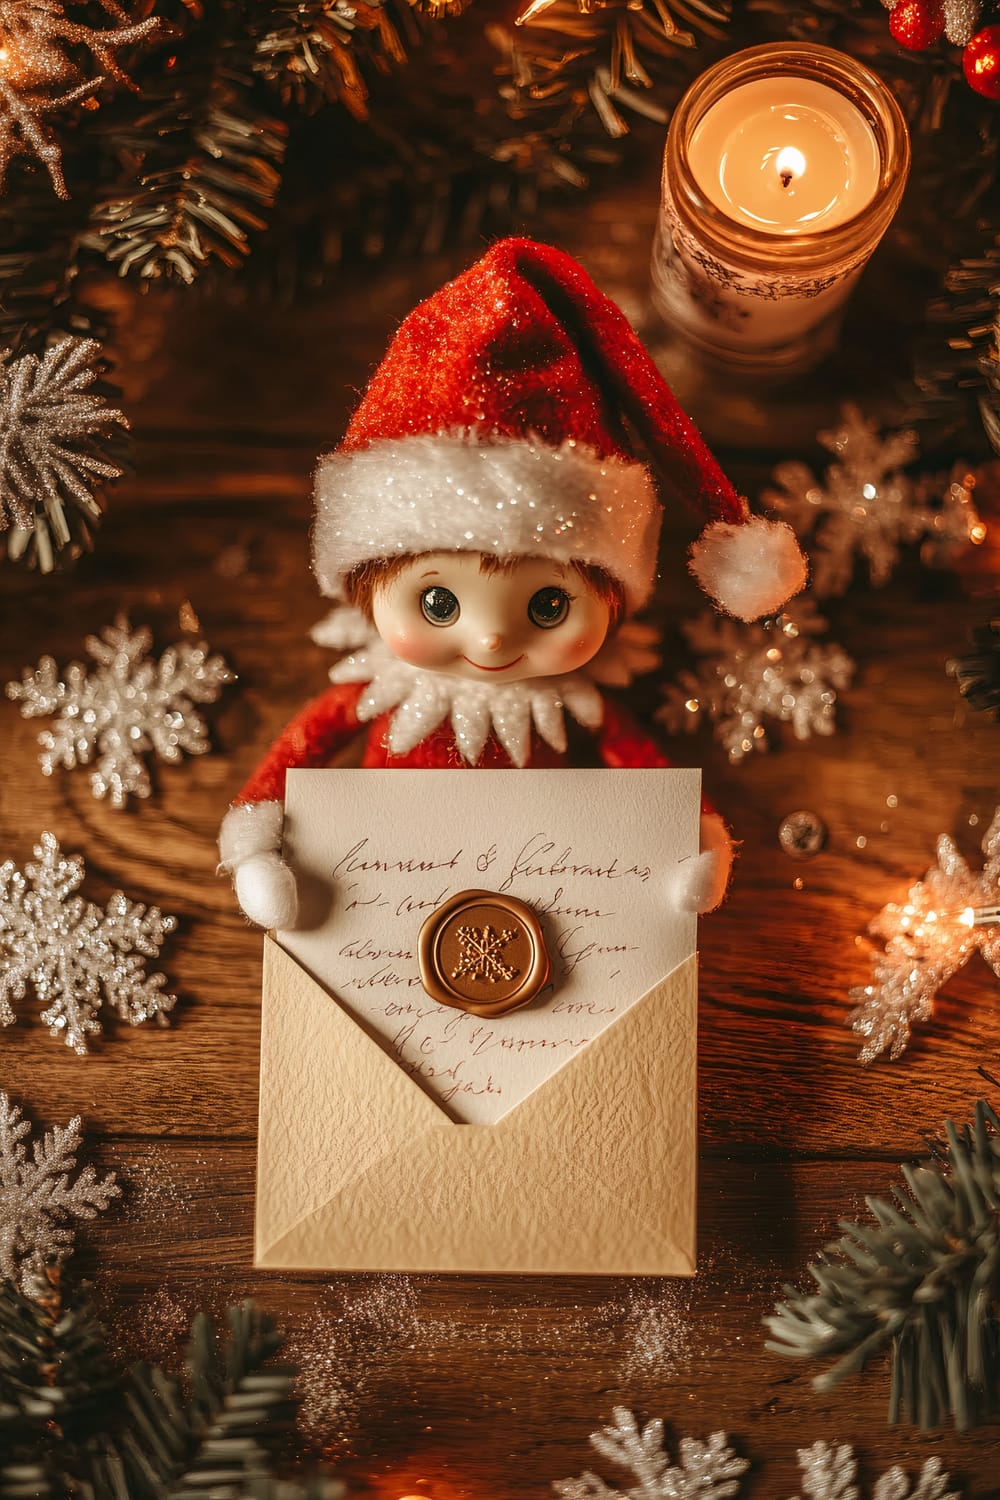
422	647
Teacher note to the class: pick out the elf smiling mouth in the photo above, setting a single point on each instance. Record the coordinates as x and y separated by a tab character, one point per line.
480	668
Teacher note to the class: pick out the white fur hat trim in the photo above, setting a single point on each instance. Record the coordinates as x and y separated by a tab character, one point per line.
514	497
749	569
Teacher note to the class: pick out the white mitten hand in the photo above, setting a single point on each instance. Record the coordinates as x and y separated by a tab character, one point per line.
265	889
700	883
249	846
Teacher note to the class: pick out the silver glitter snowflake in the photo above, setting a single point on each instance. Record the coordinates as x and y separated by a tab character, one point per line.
712	1471
57	440
944	919
829	1472
38	1202
41	72
867	507
708	1471
747	674
74	954
480	954
129	706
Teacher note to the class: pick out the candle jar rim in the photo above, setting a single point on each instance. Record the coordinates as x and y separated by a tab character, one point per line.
744	245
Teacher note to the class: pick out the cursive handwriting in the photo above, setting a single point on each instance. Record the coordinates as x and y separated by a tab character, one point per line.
550	908
351	863
384	978
362	948
533	860
572	955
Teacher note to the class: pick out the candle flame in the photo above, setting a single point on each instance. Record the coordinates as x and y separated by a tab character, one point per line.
790	163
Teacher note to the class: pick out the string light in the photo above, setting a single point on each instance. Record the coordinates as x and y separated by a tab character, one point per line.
946	917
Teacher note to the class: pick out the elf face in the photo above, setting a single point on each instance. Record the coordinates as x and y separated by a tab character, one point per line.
534	618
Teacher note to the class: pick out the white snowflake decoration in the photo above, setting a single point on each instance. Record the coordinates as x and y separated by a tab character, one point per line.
131	705
945	918
829	1472
708	1471
747	674
865	506
38	1202
76	955
712	1471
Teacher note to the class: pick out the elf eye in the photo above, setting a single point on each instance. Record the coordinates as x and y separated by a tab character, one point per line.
440	606
548	607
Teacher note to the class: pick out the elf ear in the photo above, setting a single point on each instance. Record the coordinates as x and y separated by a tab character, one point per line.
749	569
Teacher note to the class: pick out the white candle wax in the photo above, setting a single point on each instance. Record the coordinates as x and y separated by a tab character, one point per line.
785	155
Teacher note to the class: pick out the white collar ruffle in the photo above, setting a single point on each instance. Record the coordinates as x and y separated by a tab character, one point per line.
423	700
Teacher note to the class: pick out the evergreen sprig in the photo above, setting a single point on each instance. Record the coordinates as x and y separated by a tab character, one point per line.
922	1280
318	52
566	57
199	161
978	671
965	323
72	1428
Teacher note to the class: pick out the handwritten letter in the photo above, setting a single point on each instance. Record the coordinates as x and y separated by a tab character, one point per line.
591	851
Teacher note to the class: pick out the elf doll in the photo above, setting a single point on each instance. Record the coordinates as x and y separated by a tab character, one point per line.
488	533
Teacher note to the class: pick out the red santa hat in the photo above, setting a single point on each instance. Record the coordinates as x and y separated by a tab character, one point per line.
500	421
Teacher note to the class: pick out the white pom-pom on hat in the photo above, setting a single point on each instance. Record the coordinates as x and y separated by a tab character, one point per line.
749	569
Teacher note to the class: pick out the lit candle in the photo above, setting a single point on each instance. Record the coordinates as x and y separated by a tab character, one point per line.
786	157
783	169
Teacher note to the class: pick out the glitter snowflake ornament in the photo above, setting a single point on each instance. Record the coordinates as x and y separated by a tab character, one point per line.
706	1470
43	56
712	1471
867	507
748	674
38	1201
130	706
830	1471
76	956
57	448
946	917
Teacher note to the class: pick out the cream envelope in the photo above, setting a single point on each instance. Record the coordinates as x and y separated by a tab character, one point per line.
592	1172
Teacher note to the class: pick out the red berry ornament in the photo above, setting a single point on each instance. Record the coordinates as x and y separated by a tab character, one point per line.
917	24
981	62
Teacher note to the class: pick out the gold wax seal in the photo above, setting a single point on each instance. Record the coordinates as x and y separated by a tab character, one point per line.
483	953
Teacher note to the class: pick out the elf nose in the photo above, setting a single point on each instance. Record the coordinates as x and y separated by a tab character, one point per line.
492	642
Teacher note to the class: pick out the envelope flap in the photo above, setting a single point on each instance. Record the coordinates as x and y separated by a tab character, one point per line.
608	1141
324	1083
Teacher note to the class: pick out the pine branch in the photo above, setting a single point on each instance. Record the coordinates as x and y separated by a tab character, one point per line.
199	165
962	351
70	1428
220	1434
922	1280
322	51
568	57
55	1379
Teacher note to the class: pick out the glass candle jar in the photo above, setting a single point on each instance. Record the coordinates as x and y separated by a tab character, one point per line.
783	168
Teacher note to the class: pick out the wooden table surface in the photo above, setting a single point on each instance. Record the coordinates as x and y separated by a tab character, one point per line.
464	1387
